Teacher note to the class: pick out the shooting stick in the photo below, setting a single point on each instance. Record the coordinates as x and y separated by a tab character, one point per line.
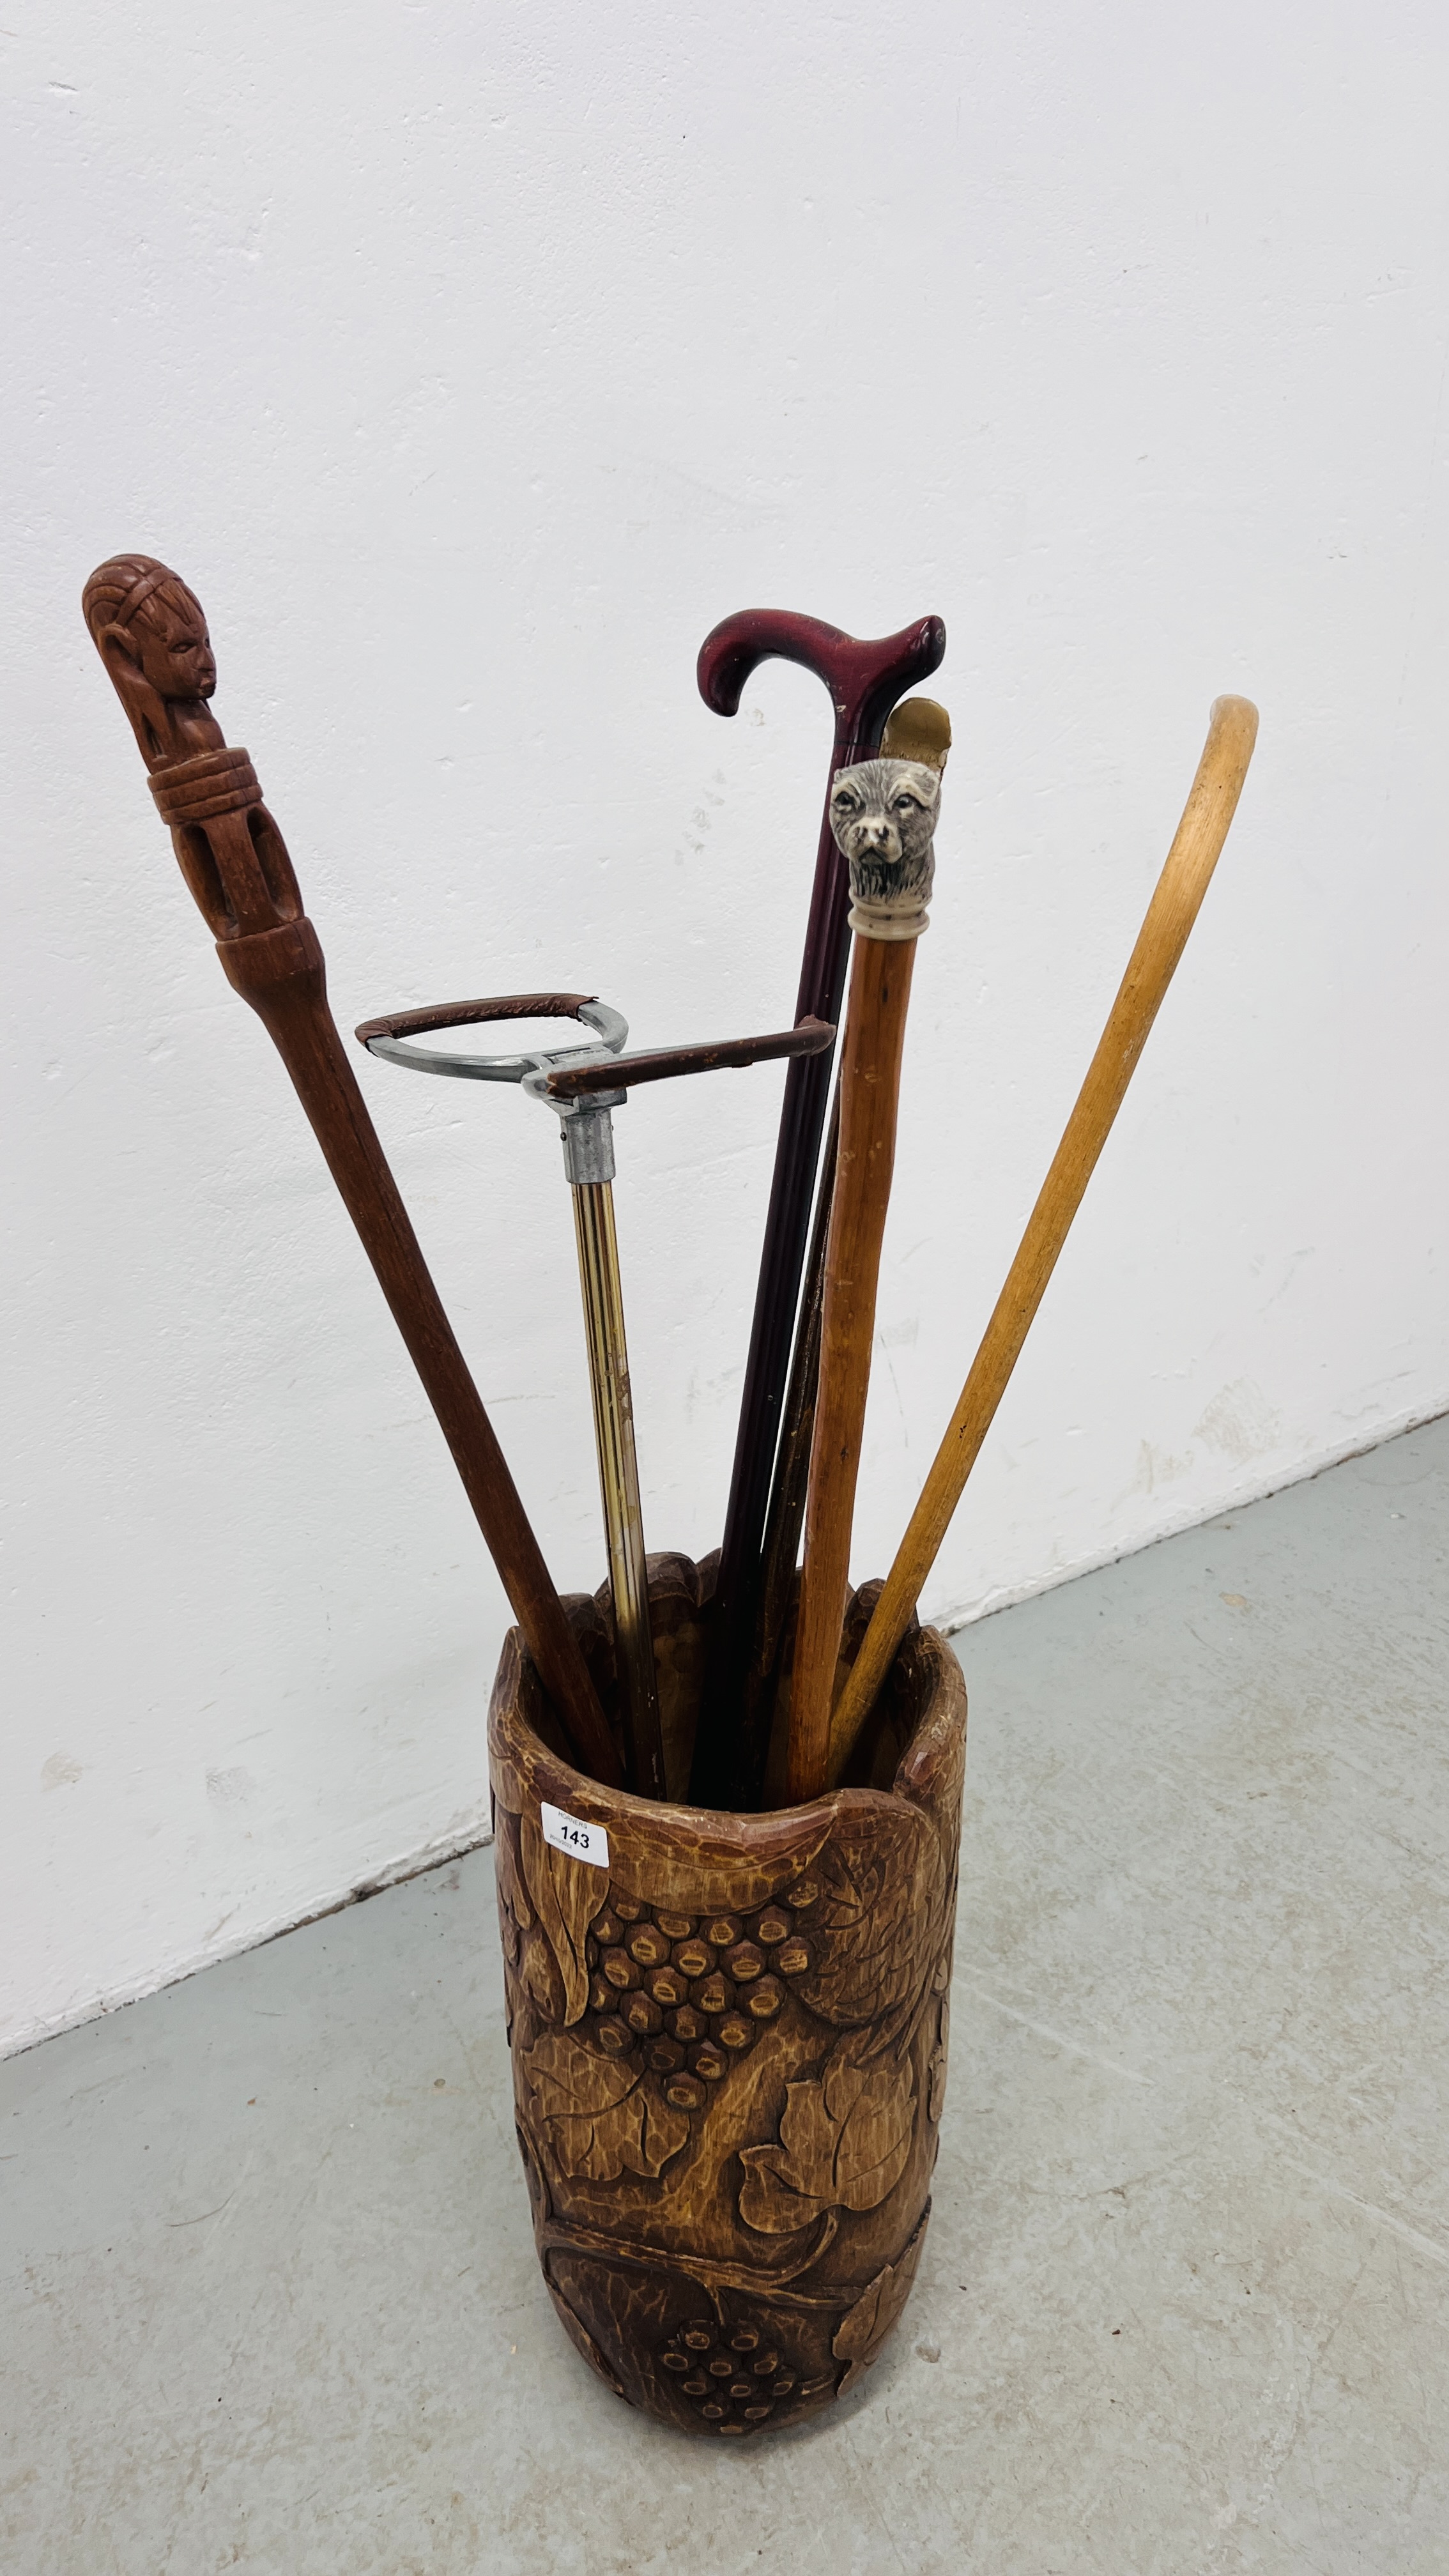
583	1085
151	634
1184	881
883	814
864	680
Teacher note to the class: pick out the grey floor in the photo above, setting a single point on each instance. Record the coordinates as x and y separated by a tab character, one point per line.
269	2296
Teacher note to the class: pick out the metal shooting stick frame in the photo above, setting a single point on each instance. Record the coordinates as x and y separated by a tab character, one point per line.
584	1085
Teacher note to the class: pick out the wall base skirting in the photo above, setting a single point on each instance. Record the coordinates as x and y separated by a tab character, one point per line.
951	1620
414	1864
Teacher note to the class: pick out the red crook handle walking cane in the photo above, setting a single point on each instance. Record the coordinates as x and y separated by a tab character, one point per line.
865	678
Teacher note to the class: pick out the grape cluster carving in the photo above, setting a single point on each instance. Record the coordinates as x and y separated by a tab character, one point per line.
733	2375
681	1996
728	2116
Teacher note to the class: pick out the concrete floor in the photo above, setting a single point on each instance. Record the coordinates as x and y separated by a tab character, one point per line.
269	2294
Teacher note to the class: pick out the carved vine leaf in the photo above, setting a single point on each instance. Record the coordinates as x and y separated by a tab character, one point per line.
843	2144
599	2118
876	2313
512	1902
566	1895
883	1920
514	1913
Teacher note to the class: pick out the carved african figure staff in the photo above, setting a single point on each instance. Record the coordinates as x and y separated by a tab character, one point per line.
883	815
1186	875
584	1085
151	634
864	680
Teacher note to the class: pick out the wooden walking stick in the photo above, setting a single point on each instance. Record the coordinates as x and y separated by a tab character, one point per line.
918	729
583	1085
1232	732
883	814
864	680
151	634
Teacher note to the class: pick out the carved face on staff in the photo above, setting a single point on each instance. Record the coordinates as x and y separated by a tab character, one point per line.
173	646
151	633
883	816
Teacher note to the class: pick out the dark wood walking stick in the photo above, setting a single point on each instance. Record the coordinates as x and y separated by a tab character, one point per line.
883	813
864	679
151	635
1176	901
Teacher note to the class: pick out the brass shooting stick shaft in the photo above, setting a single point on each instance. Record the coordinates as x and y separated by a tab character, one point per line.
588	1162
1184	881
883	814
151	634
603	1301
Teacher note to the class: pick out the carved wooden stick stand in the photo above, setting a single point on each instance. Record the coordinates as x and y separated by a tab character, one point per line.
729	2039
151	634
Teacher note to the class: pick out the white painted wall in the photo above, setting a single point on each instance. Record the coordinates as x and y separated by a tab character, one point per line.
471	362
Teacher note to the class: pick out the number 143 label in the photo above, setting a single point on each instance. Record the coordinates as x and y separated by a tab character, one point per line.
570	1834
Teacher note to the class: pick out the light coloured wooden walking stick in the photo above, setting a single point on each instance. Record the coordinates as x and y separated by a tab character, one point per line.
1232	732
883	815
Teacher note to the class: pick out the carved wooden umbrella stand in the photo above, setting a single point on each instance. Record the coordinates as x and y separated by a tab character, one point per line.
728	2032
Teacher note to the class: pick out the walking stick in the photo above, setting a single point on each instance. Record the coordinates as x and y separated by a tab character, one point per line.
1184	881
151	635
918	729
883	814
864	680
584	1085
